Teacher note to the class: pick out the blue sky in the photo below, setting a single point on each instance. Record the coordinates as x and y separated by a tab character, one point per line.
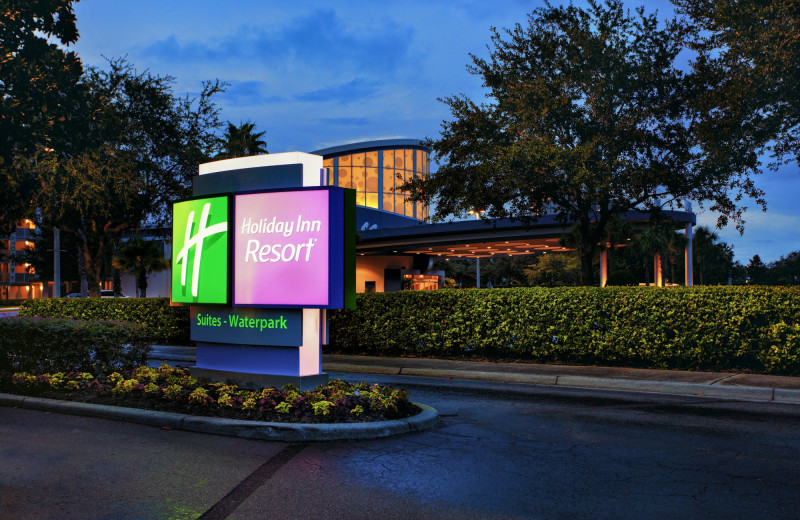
314	74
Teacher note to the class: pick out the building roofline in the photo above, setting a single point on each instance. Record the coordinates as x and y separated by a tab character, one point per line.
371	145
545	224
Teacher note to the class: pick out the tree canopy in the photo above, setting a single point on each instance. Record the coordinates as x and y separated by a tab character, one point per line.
241	141
140	258
748	76
37	82
587	112
135	153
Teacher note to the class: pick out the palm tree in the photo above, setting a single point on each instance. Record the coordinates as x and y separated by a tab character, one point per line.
140	258
703	243
241	141
661	240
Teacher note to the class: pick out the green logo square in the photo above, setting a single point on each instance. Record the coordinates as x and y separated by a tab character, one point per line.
200	251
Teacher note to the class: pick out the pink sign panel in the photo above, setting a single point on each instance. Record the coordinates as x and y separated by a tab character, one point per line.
281	246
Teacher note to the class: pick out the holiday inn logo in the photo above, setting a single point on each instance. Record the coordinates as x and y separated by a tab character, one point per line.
200	251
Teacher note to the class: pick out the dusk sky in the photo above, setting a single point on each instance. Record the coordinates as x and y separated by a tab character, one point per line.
315	74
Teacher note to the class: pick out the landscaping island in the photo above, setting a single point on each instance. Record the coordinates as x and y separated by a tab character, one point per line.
175	390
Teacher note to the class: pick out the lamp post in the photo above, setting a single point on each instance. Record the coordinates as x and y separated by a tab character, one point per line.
477	213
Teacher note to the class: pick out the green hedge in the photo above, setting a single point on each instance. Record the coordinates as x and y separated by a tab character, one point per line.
163	323
42	345
754	328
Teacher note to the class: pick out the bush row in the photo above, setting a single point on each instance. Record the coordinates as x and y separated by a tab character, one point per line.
163	323
53	344
755	328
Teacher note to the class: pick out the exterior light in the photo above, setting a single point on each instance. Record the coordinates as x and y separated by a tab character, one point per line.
477	213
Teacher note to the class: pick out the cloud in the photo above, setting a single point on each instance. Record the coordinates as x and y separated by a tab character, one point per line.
769	235
321	38
346	121
355	90
246	93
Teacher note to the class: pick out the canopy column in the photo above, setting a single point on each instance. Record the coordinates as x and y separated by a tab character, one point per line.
658	275
687	262
603	267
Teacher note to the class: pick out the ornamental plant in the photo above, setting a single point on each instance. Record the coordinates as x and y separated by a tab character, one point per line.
172	389
42	345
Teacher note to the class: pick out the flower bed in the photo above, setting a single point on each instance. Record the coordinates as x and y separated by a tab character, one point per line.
174	390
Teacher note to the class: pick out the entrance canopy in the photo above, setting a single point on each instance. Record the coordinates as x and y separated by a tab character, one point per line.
487	238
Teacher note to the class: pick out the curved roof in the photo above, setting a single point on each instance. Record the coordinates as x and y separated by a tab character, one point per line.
371	145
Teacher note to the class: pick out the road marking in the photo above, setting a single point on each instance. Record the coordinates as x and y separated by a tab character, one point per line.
230	502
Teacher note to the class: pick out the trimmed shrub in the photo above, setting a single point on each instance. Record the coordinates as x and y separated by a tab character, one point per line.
53	344
754	328
163	323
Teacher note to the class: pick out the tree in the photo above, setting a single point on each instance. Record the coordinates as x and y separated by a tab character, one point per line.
554	269
134	154
241	141
756	270
747	70
661	239
141	258
37	85
786	270
713	259
586	111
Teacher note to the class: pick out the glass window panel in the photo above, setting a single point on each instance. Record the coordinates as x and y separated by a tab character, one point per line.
359	182
388	202
372	180
398	159
345	160
372	159
409	159
409	209
388	179
360	198
344	176
372	200
388	158
328	163
358	159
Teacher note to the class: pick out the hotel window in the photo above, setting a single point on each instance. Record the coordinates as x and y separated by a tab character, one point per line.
377	175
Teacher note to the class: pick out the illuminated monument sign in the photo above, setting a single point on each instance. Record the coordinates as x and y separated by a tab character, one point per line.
260	254
200	243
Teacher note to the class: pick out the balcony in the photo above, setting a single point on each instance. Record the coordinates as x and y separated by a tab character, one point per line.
19	278
25	234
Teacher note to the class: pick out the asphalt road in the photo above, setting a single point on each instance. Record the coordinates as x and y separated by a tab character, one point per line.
556	454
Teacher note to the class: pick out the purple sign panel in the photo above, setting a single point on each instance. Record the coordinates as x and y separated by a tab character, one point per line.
281	248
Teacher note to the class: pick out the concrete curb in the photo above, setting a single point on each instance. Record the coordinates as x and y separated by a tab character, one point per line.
268	431
747	393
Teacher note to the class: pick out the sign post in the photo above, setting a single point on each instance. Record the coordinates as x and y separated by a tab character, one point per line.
260	254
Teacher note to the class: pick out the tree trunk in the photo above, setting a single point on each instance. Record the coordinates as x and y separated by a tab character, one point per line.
82	272
117	276
92	272
141	284
91	264
586	268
